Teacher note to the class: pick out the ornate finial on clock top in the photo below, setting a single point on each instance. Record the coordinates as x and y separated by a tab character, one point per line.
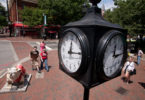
94	2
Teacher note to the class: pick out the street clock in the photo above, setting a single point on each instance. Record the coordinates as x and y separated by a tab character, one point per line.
74	51
111	53
92	50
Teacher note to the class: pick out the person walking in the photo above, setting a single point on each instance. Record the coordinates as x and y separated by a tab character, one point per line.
44	57
128	68
42	46
34	55
139	55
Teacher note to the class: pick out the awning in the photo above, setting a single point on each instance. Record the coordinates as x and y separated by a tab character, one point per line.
19	25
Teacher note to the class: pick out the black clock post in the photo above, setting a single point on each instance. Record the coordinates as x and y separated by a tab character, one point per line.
92	50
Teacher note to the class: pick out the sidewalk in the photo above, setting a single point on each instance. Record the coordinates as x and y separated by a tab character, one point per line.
23	39
22	45
56	85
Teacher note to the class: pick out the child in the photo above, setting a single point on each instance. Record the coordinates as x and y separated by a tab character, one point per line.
34	55
42	46
129	67
43	56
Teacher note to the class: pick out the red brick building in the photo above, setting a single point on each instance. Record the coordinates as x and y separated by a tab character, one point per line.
16	5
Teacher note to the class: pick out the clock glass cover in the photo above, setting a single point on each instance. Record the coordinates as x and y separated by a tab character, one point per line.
113	55
71	53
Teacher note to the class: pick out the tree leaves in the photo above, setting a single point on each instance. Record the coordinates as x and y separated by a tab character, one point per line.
3	21
130	14
57	11
32	16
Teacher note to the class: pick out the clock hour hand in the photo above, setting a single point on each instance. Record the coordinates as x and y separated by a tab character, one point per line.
117	55
79	53
70	57
70	51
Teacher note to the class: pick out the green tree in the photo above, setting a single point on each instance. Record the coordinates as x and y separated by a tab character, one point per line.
32	16
62	11
130	14
3	21
57	11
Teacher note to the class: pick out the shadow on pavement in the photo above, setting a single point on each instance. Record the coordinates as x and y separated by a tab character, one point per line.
142	84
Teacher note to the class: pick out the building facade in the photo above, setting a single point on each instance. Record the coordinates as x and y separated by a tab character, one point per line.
15	6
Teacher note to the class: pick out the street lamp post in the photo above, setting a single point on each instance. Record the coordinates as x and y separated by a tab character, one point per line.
8	11
17	9
43	28
9	22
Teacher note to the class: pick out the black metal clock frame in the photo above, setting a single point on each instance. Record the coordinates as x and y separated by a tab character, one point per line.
102	45
84	48
93	32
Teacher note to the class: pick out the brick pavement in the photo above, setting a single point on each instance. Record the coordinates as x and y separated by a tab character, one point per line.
58	86
22	49
27	38
55	85
134	91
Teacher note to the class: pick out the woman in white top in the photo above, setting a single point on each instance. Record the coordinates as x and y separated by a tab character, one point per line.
139	54
129	67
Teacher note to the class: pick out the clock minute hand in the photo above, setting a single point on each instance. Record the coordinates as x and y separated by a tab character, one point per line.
71	46
70	51
114	50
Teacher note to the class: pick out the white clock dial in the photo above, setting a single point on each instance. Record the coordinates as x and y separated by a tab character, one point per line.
71	53
113	55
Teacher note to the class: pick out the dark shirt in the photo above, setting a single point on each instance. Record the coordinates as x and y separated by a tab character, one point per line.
34	54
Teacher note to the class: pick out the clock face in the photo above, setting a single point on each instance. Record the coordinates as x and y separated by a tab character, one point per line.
113	55
71	52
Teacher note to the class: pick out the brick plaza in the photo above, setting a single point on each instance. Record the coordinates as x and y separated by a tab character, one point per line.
56	85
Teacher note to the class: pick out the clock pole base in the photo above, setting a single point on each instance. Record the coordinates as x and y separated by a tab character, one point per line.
86	93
